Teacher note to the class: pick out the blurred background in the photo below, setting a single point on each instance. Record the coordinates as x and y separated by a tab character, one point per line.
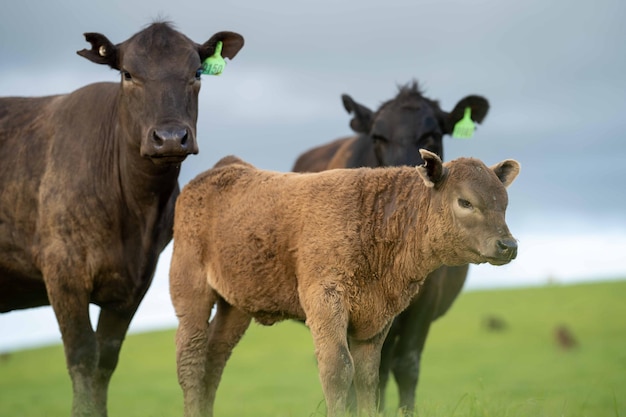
554	74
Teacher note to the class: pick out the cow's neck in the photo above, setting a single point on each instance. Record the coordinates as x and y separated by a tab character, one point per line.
145	187
149	192
148	182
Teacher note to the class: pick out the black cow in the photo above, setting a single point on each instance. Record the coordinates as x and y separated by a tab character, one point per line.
88	182
391	136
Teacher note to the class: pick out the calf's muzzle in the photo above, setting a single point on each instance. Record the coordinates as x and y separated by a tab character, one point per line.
505	251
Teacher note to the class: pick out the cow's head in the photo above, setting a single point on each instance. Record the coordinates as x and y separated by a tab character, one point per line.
160	80
469	201
409	122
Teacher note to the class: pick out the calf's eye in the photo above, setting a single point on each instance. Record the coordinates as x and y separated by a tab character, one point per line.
127	76
198	73
465	204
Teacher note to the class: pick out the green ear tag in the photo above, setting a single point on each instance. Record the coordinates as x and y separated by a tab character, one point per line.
464	128
214	65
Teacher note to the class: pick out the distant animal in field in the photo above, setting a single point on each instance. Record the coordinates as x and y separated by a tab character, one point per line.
494	323
88	182
345	250
392	136
564	337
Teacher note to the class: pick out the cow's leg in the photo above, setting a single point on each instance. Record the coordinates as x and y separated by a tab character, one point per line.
436	296
416	320
366	357
406	366
112	328
69	297
328	321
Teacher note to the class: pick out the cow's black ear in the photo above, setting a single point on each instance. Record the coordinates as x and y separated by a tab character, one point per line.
231	44
507	171
363	117
432	171
102	50
479	106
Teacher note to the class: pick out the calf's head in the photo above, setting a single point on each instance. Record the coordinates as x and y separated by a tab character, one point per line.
160	81
409	122
469	200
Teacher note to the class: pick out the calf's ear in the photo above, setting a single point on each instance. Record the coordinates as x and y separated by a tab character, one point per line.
102	50
363	117
432	171
507	171
231	44
479	106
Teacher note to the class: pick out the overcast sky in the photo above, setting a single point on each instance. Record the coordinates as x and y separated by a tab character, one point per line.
553	71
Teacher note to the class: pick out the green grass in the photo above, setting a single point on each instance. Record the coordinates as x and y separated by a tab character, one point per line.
467	370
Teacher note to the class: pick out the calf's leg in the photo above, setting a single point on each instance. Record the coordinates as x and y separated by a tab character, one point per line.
366	357
328	321
201	361
202	349
193	300
225	331
386	361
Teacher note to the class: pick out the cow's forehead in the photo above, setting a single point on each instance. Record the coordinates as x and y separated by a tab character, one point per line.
407	105
413	116
159	47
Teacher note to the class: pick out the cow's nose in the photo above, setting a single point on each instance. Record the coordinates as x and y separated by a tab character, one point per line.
507	247
172	137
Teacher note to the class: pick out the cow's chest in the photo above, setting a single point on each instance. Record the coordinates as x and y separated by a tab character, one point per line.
126	270
113	256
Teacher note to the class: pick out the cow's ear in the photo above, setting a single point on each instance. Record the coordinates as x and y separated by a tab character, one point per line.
432	171
231	44
362	120
102	50
507	171
479	106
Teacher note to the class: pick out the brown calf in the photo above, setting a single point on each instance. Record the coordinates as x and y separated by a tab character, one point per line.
392	135
346	250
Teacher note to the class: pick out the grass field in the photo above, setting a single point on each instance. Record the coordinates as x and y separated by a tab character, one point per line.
467	370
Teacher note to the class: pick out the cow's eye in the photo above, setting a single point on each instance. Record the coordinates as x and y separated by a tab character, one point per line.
126	75
379	138
429	141
465	204
426	141
199	73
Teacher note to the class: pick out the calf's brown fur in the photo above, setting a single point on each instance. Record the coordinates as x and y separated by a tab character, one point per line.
392	135
346	250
